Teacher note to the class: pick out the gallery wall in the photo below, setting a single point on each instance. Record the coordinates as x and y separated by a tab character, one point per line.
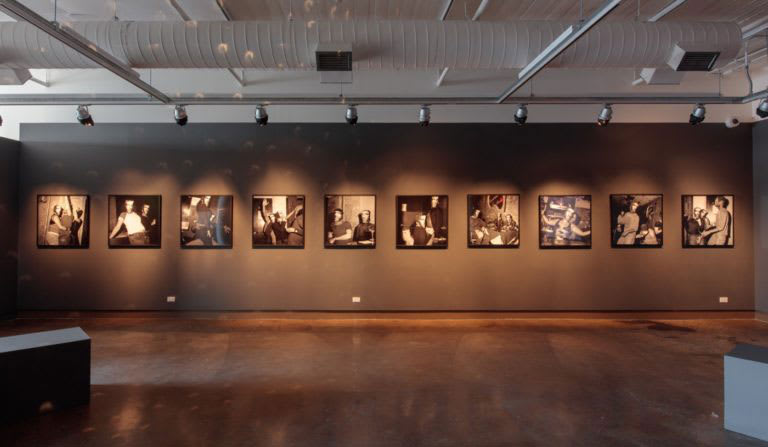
760	177
9	168
387	160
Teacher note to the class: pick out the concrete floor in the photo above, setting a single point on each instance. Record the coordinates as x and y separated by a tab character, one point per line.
230	382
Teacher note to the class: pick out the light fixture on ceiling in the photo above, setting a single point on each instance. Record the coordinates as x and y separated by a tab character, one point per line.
425	115
1	120
604	118
180	115
351	115
261	115
521	115
762	109
84	116
698	114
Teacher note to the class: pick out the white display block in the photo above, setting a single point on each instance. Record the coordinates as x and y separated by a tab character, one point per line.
746	391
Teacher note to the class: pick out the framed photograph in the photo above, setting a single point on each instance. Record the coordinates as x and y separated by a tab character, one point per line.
134	221
637	220
565	221
350	221
278	221
708	221
422	221
206	221
493	220
63	221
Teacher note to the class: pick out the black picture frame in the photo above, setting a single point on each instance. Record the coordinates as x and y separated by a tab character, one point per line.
400	221
684	231
230	223
86	228
158	233
613	216
569	246
469	216
327	222
262	246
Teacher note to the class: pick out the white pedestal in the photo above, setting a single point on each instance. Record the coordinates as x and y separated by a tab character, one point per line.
746	391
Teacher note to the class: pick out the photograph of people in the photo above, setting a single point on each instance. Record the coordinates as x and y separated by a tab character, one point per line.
350	221
636	220
278	221
63	221
422	221
134	221
707	221
493	220
206	221
565	221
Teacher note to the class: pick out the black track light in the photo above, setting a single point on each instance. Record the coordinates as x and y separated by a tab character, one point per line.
698	114
180	115
84	116
521	115
351	115
425	115
762	109
261	115
604	118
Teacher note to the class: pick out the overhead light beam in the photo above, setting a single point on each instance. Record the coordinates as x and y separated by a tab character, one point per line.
560	44
78	43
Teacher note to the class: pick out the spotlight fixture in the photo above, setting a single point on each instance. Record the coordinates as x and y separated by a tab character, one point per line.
84	116
261	115
762	109
1	120
604	118
521	115
351	115
698	114
180	115
424	115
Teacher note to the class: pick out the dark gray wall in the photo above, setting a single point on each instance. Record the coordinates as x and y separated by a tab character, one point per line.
760	167
9	219
387	159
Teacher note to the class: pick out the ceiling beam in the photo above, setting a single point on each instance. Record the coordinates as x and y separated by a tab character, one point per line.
220	4
560	44
179	10
666	10
446	9
57	99
78	43
480	9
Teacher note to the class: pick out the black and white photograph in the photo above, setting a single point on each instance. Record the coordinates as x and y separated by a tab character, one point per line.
565	221
278	221
206	221
493	220
134	221
422	221
350	221
63	221
708	221
637	220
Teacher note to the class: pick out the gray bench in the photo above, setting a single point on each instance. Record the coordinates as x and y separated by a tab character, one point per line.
44	371
746	391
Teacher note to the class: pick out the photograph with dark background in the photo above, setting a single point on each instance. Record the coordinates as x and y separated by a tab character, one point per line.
636	220
63	221
707	221
422	221
565	221
350	221
493	221
206	221
134	221
278	221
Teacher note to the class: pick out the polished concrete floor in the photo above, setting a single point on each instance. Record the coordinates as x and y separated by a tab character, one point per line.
246	382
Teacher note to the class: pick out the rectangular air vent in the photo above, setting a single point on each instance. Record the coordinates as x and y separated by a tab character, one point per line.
692	57
338	60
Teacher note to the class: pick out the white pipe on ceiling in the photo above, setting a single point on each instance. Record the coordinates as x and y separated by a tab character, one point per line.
377	45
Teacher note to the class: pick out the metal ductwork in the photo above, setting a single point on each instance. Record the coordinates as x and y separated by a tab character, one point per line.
376	45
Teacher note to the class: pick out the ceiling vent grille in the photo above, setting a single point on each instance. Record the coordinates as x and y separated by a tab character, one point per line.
687	58
333	59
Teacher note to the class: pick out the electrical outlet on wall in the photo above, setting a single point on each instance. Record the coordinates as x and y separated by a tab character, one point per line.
723	299
171	299
355	299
